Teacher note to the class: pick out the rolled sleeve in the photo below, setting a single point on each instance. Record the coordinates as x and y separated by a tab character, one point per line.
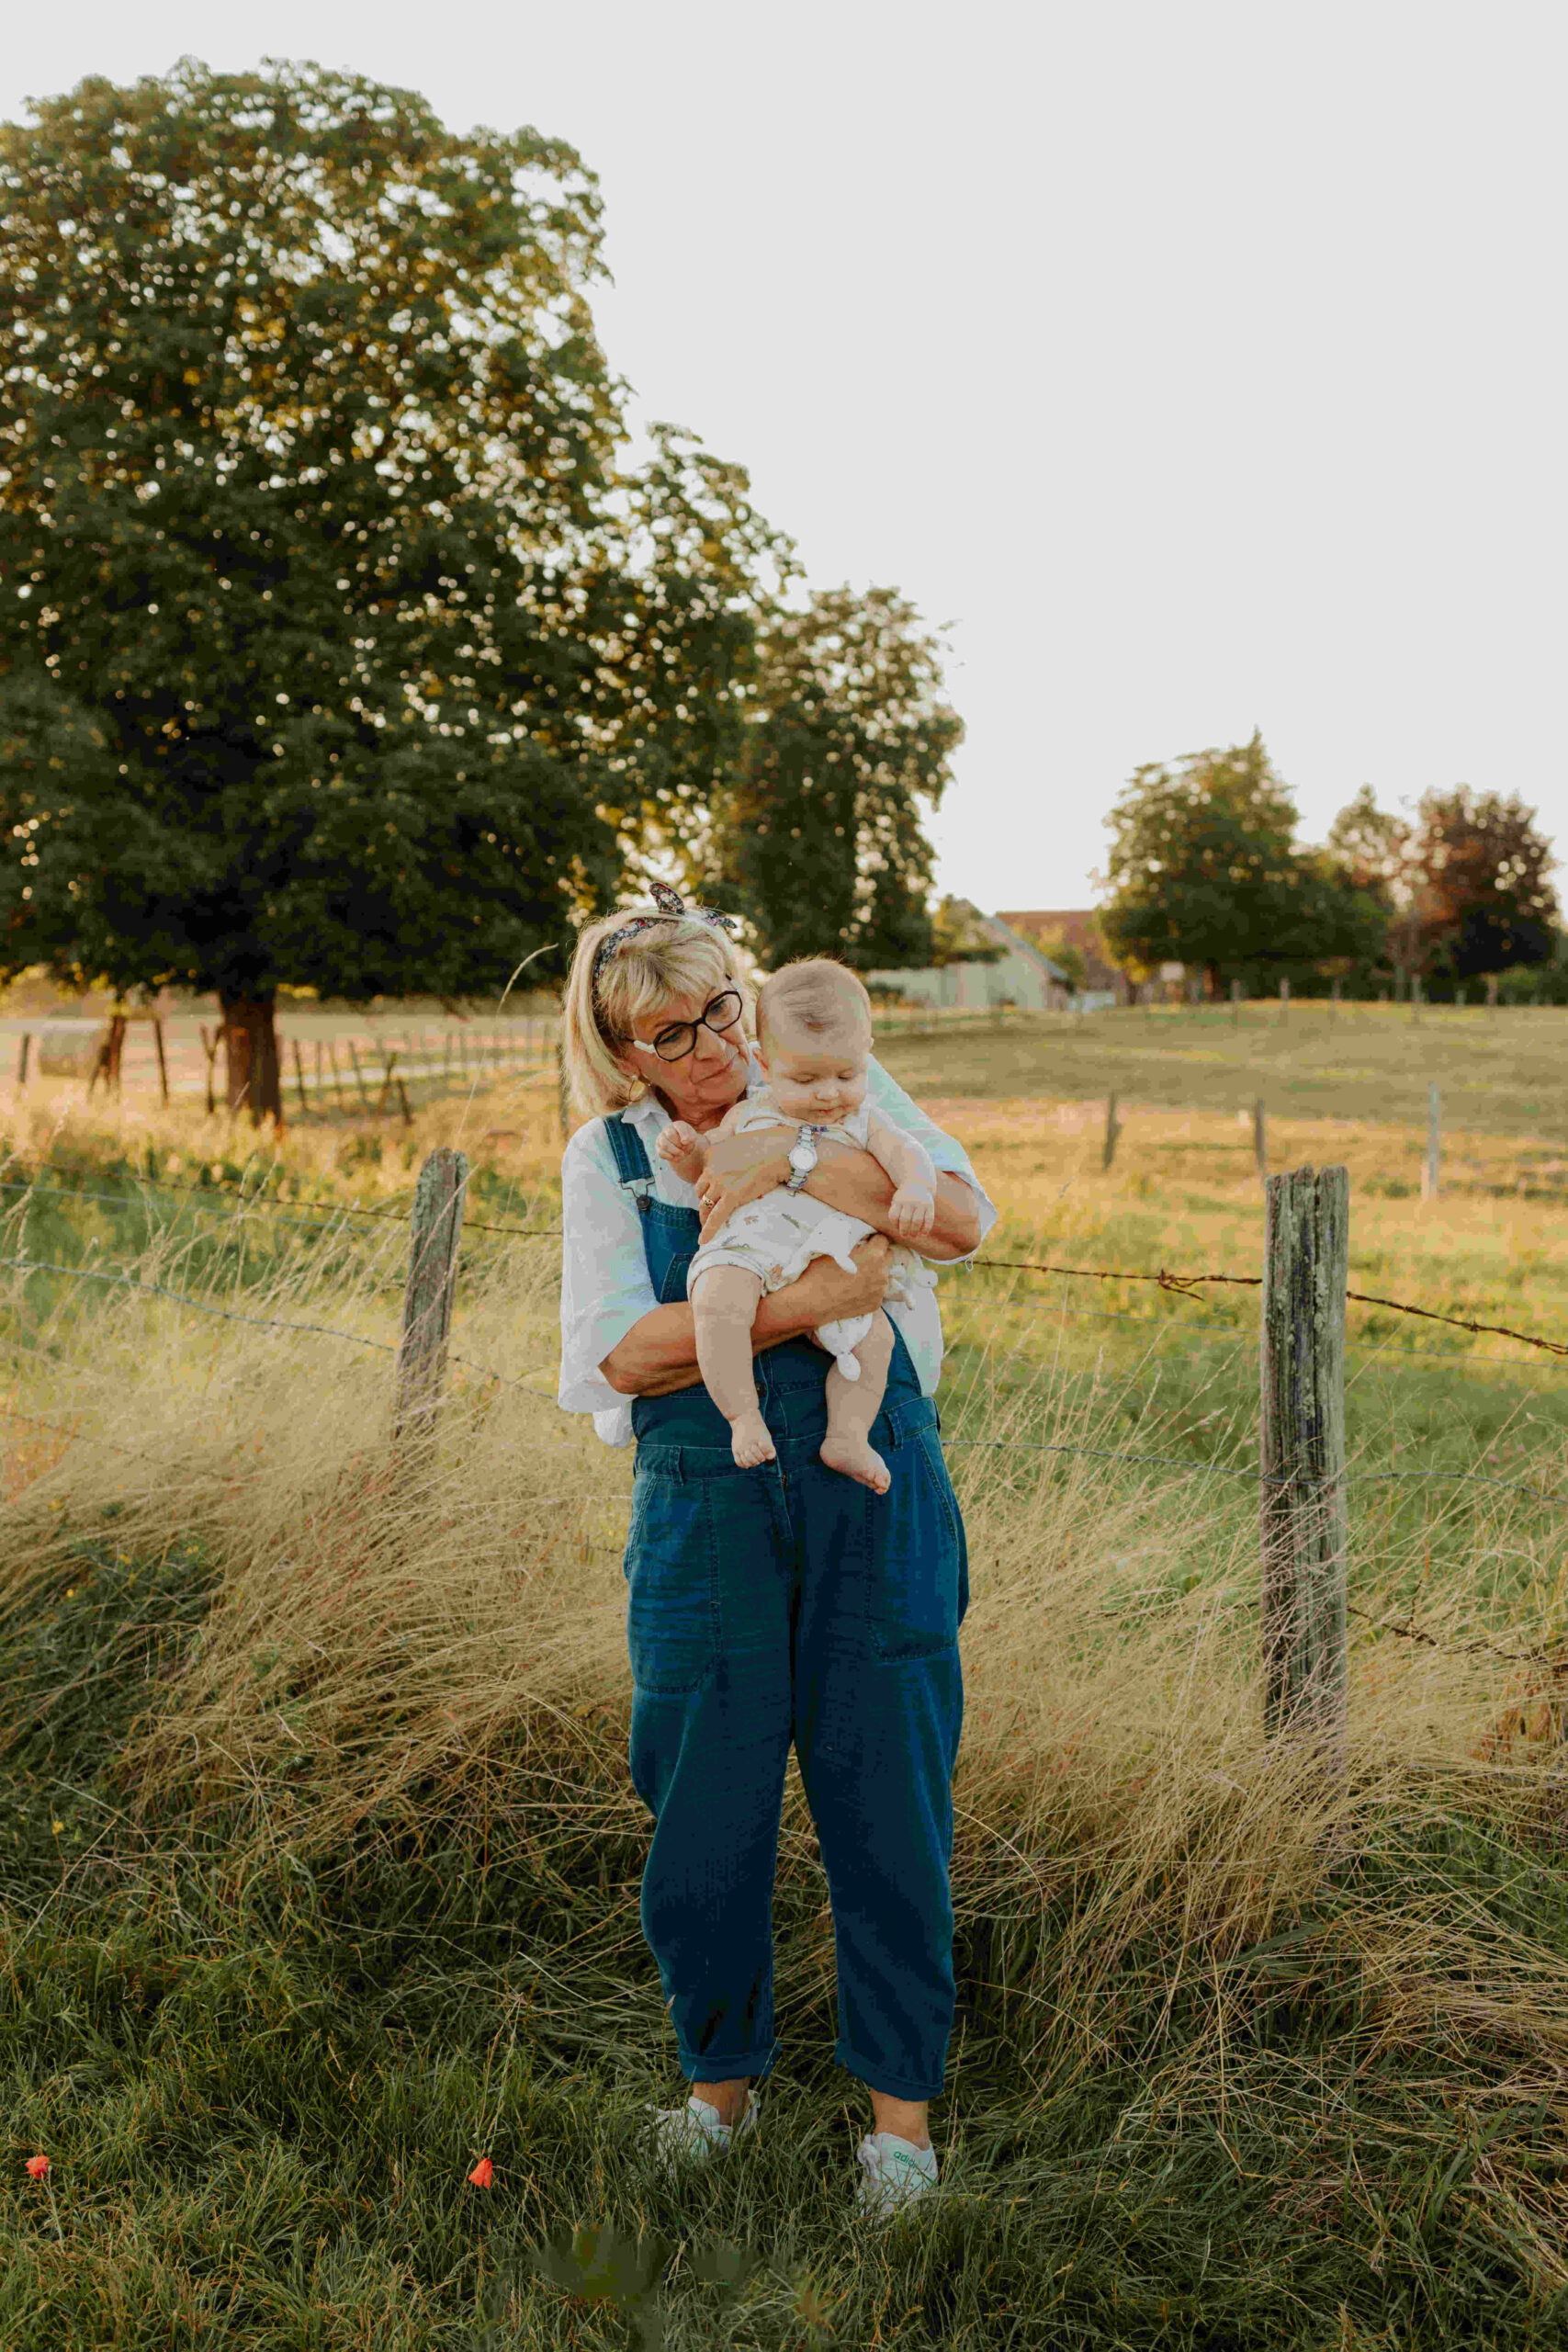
604	1282
948	1155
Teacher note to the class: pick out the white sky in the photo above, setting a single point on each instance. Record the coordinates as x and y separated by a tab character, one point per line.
1204	364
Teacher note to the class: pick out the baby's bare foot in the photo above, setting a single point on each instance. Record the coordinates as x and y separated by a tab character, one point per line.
750	1441
856	1459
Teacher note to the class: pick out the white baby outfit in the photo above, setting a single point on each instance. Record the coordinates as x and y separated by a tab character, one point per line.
776	1238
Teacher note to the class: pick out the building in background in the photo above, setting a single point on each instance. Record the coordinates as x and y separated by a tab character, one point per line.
1021	975
1077	927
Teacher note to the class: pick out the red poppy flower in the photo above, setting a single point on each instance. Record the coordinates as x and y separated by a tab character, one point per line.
38	2166
482	2176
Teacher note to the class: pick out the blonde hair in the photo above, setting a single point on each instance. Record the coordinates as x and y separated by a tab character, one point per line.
817	995
676	957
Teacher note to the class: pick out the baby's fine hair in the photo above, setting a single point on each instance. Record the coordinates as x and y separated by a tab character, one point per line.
817	996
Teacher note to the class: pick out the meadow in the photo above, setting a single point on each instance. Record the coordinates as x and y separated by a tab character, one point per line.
320	1862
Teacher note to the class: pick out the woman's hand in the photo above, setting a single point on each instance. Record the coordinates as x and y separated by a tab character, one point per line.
742	1168
825	1294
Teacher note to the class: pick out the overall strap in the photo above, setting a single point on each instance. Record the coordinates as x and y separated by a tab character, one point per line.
631	1159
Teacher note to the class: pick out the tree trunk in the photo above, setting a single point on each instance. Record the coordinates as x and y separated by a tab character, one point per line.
250	1052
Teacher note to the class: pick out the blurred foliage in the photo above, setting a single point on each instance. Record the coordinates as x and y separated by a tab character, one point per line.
334	649
1204	869
848	741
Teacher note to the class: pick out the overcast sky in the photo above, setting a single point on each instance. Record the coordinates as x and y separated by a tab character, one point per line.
1202	364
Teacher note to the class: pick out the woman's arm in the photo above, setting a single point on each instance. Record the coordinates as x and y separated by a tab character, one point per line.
747	1166
659	1354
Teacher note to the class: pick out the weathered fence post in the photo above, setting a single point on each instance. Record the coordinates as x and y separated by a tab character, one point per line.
162	1065
1304	1521
1284	1000
22	1060
437	1227
1112	1129
210	1047
1260	1140
358	1073
299	1074
1434	1142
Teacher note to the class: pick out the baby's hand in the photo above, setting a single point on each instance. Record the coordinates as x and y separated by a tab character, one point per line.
913	1210
683	1149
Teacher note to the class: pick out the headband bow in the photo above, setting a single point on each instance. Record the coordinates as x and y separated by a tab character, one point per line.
671	908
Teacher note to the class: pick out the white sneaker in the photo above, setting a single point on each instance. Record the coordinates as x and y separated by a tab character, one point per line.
895	2173
690	2134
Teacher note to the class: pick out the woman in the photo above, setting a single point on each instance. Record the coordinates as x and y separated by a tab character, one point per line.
772	1603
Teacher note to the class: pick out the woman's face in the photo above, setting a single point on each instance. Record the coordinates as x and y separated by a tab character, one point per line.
702	1086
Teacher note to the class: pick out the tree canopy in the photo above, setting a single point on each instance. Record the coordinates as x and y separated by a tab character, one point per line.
1204	869
334	650
817	837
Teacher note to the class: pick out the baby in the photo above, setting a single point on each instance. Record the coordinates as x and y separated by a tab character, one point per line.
814	1041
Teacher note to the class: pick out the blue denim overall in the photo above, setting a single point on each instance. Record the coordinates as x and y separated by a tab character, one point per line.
790	1602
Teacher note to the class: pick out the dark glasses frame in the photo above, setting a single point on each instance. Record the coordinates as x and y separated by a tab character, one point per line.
664	1043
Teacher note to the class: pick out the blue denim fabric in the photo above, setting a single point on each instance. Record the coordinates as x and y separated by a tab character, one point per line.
788	1602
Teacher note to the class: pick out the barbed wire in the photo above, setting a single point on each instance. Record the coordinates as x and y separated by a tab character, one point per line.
1247	1470
275	1209
1185	1286
228	1315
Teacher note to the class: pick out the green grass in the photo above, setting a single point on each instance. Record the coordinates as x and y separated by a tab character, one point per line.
261	2095
1188	2103
1499	1074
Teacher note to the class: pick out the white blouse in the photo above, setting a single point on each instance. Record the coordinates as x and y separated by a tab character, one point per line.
605	1281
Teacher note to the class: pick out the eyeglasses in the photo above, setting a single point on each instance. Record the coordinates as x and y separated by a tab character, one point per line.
673	1044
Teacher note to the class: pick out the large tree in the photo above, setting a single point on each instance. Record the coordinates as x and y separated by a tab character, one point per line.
817	837
334	651
1204	869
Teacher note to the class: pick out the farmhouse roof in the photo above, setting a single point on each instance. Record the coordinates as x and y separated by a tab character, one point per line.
1076	927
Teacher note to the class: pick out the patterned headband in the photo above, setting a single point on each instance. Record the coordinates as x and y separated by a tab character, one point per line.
671	908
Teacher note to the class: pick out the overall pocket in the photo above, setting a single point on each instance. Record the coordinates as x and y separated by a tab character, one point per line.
916	1555
671	1569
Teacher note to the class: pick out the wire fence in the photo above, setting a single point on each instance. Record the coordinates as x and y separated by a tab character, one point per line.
1038	1448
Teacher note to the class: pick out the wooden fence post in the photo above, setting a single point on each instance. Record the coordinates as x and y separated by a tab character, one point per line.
299	1073
1112	1129
1260	1140
437	1226
358	1073
1434	1142
1284	1000
1304	1521
210	1047
162	1065
22	1060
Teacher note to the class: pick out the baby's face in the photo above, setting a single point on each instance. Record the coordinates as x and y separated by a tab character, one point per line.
816	1079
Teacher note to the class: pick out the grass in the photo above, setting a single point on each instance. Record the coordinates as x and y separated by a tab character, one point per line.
319	1864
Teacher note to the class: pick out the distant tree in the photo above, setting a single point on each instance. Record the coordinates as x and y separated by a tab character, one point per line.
957	938
1204	869
334	651
1066	955
817	838
1489	902
1466	884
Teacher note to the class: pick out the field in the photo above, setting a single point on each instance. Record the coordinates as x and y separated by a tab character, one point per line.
320	1862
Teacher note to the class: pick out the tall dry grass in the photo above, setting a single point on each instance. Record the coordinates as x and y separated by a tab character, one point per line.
1128	1852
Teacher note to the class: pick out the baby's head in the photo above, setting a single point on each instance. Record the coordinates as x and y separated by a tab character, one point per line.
814	1040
